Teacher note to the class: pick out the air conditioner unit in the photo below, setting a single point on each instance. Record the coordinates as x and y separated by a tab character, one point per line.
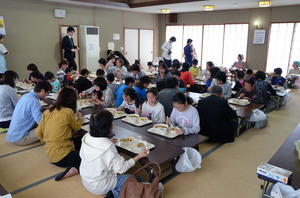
89	47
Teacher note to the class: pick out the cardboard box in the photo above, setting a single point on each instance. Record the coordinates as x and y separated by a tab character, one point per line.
274	173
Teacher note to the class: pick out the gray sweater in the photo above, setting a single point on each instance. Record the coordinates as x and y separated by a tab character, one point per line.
165	97
8	101
226	88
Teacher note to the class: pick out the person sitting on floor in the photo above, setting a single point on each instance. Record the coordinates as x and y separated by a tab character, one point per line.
35	78
56	130
221	80
131	103
113	86
129	82
240	83
83	83
136	72
262	85
216	117
8	97
32	68
277	79
102	168
62	66
249	74
186	75
141	87
163	73
250	93
49	76
27	115
166	95
184	115
181	85
194	70
206	72
152	109
212	75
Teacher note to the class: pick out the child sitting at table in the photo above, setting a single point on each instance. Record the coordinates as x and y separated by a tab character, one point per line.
277	79
240	83
212	75
152	109
250	93
186	75
101	167
102	95
221	80
100	73
49	76
35	78
249	74
206	72
138	62
136	72
32	68
194	70
131	101
151	68
263	85
175	66
110	83
62	66
184	115
181	85
83	83
68	75
141	87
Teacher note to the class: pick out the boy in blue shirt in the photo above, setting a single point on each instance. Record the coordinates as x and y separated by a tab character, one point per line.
49	76
141	87
181	85
129	82
27	115
277	79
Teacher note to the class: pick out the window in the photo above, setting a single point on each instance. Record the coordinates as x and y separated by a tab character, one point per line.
177	49
213	44
280	46
194	32
295	50
235	42
217	43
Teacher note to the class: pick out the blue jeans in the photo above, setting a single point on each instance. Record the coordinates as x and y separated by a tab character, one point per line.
121	179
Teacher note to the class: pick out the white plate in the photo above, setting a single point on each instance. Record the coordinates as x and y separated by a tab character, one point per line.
232	101
22	91
279	88
167	135
137	123
52	96
132	146
116	116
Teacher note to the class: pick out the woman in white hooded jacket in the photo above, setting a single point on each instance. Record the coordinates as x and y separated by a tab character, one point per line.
101	162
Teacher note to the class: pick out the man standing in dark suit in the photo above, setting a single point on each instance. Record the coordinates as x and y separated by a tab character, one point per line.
216	117
70	48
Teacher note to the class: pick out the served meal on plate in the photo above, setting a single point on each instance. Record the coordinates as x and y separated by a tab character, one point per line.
126	140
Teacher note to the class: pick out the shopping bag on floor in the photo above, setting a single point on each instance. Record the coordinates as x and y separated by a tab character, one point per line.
257	115
284	191
261	124
189	160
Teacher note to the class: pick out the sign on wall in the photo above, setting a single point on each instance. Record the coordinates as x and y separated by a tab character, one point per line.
2	26
259	36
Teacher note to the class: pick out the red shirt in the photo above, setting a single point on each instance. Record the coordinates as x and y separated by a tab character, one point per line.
187	78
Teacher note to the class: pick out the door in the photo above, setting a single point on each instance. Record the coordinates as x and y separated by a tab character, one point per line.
76	43
146	47
131	45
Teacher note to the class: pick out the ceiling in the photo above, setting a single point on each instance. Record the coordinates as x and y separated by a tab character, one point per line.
176	6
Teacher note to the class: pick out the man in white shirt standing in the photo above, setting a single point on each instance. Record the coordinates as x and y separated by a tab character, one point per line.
167	47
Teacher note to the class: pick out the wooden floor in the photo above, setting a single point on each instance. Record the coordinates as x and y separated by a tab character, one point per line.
227	170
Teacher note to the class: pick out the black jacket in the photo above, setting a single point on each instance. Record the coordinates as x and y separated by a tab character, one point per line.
67	46
216	119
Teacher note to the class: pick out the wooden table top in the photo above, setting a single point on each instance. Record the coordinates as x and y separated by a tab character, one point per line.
287	157
244	111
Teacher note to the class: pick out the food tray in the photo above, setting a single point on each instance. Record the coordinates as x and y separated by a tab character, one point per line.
116	115
22	91
81	104
132	146
279	88
167	135
236	101
204	95
52	96
137	123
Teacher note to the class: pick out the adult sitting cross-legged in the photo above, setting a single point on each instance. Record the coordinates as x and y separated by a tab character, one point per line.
216	117
27	115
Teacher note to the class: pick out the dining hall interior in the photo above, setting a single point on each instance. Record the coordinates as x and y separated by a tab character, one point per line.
267	36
